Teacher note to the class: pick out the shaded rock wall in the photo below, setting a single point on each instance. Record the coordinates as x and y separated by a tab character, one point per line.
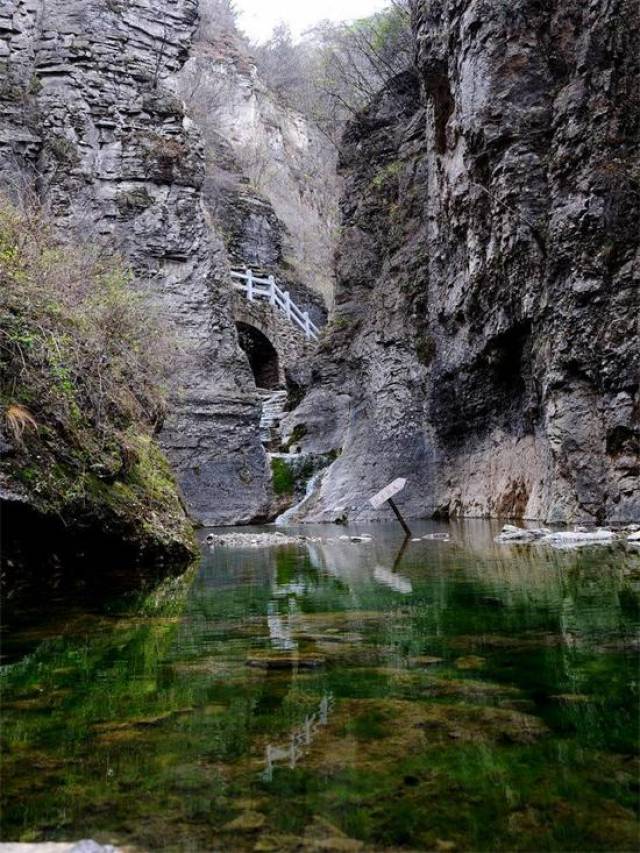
88	120
486	338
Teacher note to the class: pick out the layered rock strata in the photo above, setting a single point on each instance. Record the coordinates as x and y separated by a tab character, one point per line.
89	122
485	343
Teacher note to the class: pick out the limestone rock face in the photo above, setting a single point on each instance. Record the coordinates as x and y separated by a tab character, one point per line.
485	344
274	185
88	118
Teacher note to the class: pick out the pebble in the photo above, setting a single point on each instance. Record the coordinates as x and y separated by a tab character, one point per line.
256	540
562	539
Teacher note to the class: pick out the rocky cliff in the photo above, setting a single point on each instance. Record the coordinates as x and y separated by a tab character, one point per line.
88	120
273	185
485	343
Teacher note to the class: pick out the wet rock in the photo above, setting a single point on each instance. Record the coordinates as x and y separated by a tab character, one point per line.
295	660
580	538
510	533
575	538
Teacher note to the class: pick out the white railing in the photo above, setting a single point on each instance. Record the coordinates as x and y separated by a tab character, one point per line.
266	288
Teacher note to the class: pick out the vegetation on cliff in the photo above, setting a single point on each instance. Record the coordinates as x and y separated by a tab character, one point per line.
82	358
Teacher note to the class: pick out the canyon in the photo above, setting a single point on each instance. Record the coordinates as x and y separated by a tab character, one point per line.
483	311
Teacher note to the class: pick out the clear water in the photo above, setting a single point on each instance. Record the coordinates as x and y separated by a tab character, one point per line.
337	697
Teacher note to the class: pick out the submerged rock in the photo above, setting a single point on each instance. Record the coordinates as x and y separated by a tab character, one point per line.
247	822
295	660
470	662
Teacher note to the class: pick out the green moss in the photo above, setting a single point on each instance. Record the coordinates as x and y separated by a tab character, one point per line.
340	323
387	176
133	202
81	391
283	477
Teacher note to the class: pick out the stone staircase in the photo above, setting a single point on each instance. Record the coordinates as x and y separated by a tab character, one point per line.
273	404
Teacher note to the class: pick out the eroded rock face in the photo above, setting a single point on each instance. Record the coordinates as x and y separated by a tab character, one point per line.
486	335
88	119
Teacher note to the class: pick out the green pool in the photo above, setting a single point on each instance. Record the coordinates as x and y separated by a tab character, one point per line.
337	696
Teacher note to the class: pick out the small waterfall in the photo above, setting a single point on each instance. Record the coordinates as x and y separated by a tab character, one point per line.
287	516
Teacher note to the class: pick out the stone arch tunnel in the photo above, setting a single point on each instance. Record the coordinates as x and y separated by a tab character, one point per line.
262	355
271	342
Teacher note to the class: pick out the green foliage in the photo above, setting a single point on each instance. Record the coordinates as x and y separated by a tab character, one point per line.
387	176
283	477
82	361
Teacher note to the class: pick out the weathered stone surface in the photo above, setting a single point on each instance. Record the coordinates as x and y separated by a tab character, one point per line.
288	340
279	191
88	119
485	343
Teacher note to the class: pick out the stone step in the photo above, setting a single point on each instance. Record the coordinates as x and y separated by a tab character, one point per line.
273	410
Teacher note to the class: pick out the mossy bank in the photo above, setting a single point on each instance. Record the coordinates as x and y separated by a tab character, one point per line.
82	480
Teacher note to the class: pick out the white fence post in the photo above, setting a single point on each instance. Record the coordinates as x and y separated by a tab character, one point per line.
272	290
287	305
250	285
307	327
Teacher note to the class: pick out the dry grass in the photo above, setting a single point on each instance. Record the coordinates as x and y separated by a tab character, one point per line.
82	352
18	419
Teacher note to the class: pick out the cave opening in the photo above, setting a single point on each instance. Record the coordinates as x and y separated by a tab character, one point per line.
262	356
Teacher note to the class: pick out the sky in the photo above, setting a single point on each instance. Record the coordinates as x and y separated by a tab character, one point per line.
259	17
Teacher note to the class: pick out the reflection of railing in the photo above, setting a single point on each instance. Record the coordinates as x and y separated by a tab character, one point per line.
299	741
266	288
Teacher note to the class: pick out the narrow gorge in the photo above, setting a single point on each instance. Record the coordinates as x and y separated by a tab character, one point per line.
319	426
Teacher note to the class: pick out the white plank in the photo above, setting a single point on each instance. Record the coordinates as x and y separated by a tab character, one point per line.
388	492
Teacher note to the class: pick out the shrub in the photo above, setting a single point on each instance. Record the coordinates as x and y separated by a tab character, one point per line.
283	478
82	357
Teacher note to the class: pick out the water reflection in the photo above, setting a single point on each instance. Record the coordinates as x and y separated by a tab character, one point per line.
347	695
299	741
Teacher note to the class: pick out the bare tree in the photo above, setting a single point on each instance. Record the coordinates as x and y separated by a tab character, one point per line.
338	68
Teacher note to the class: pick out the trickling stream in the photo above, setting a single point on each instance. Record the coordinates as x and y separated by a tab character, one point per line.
459	695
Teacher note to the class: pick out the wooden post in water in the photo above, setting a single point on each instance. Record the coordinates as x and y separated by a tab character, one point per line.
386	496
398	515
